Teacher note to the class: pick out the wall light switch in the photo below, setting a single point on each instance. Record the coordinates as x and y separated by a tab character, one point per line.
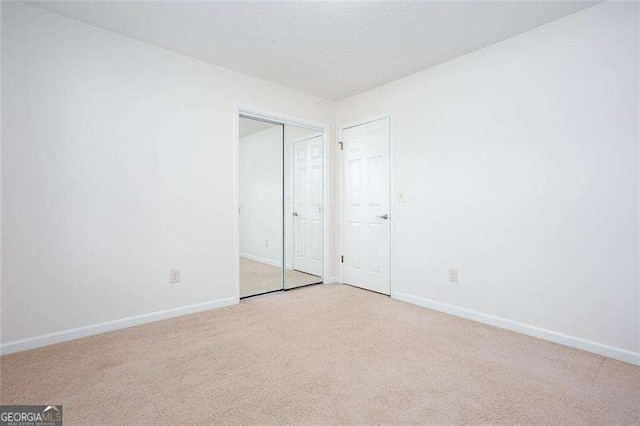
402	198
453	275
174	276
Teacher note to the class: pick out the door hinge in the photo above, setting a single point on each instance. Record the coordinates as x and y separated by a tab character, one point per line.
341	146
342	259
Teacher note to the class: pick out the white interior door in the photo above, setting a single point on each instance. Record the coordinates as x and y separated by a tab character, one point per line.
307	205
365	213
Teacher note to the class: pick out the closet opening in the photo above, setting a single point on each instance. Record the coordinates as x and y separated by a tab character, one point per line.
281	205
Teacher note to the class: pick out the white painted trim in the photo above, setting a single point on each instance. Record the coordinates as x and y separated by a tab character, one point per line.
236	202
93	329
392	191
261	260
326	202
541	333
331	280
392	209
364	121
277	117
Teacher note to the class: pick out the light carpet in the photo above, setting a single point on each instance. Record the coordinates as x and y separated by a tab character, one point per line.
327	354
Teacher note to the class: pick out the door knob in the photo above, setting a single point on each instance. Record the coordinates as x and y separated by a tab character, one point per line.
384	216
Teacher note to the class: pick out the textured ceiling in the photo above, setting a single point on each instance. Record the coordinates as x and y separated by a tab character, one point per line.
330	49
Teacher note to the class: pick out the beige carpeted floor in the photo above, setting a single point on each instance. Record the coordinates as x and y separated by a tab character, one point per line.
258	278
322	354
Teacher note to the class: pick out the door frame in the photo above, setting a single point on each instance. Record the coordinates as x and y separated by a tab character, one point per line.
285	119
392	196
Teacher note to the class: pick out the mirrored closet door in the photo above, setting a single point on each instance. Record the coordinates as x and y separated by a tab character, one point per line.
304	206
260	206
281	187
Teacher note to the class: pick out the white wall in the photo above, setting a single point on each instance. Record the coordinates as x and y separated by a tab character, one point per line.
519	161
638	175
520	167
260	193
1	149
117	165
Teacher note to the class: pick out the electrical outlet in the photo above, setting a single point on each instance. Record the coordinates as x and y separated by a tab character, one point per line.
453	275
174	276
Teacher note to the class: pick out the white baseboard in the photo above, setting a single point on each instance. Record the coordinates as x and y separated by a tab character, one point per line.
261	260
90	330
331	280
552	336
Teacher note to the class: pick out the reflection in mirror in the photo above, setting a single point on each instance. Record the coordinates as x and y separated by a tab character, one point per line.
303	183
260	206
